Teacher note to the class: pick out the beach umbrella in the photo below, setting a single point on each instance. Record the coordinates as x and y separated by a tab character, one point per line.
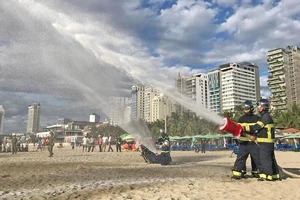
175	138
128	138
292	137
187	137
123	135
227	135
211	136
278	136
199	136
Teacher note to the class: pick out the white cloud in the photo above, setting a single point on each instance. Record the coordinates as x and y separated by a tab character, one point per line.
264	81
226	3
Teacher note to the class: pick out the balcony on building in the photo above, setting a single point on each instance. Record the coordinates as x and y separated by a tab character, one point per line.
271	60
275	51
277	64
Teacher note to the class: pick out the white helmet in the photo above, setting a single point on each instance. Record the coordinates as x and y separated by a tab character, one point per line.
13	134
166	143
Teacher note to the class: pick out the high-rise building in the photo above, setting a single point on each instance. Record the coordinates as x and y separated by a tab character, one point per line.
94	118
127	114
2	112
33	118
214	91
137	103
162	106
194	87
197	90
149	94
118	107
224	88
238	82
284	76
180	83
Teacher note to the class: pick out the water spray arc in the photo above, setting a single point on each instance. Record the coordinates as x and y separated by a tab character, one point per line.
118	50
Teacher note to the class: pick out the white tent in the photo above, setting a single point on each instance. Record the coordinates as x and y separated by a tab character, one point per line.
43	134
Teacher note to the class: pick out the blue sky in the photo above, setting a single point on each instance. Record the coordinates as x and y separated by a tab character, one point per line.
40	41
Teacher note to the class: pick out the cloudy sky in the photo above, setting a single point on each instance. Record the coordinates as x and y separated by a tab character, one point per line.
71	55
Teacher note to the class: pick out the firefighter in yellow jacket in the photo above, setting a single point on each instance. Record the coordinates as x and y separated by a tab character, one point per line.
265	132
247	146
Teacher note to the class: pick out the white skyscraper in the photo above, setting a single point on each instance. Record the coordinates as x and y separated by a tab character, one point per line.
118	109
2	112
238	82
33	118
137	104
162	106
149	94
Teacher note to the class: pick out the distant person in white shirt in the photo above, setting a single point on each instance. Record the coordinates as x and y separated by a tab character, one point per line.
84	143
109	144
104	143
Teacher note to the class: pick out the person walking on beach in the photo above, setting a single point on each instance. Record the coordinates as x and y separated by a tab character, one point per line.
84	143
247	146
14	142
100	143
265	132
203	145
109	143
91	144
51	144
118	144
104	142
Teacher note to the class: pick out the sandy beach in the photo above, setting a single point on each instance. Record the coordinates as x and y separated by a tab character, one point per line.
72	174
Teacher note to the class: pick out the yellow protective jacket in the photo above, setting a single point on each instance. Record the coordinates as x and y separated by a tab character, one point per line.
247	120
263	128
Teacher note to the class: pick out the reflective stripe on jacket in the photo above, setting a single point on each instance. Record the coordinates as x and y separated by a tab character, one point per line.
263	129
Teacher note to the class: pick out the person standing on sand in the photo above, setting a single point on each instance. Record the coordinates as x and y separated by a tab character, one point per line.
118	144
203	145
247	146
51	144
100	143
104	142
14	142
109	143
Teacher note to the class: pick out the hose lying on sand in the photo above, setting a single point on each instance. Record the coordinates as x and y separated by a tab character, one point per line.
288	173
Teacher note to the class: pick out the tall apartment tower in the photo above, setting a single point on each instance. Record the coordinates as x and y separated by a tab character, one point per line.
137	103
214	91
149	94
284	76
197	89
118	107
180	84
162	106
94	118
194	87
2	112
238	82
33	118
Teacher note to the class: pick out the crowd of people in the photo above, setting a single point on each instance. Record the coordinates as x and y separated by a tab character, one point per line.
104	143
14	143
